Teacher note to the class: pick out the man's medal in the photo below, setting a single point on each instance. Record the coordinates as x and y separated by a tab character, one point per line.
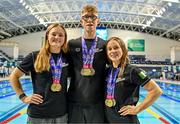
88	57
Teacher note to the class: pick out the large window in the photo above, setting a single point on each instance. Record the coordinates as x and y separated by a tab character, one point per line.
101	32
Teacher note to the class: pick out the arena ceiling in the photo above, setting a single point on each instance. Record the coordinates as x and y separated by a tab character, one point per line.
156	17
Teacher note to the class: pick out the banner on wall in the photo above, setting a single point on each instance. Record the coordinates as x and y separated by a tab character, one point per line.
136	45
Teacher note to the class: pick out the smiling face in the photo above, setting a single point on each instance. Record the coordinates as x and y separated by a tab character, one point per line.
114	51
117	51
56	37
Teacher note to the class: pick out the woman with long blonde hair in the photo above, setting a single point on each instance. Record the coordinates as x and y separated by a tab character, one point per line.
49	70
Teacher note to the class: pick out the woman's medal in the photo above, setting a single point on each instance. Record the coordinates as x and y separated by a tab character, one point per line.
109	102
58	87
114	102
55	87
56	74
88	57
111	81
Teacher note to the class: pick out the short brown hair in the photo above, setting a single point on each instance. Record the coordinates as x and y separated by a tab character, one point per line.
90	9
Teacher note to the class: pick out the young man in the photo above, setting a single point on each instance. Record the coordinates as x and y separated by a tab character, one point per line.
87	61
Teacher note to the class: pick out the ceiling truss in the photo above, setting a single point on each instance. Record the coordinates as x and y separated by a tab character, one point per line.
159	17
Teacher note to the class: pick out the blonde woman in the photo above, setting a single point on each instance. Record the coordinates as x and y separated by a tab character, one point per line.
49	71
123	83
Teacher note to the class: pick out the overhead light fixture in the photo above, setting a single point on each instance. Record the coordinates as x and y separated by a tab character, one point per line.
174	1
143	27
1	36
163	9
24	3
30	9
153	19
160	12
5	33
26	6
169	4
20	1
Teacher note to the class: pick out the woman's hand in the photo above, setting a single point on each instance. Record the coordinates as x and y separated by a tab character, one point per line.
128	110
34	99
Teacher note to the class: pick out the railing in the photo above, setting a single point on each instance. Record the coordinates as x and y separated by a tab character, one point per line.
4	55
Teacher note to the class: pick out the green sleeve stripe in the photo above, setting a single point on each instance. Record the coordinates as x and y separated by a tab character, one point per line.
142	75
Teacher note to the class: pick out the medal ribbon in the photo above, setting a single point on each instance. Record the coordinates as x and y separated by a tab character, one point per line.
56	69
111	81
88	56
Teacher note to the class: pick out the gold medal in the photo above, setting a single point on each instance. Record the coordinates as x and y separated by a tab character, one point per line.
87	71
53	87
109	102
114	102
92	71
56	87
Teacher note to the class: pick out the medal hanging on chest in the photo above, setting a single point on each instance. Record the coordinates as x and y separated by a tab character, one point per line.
111	82
56	70
88	57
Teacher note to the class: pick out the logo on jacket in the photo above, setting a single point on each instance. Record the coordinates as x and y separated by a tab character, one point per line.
142	75
98	50
77	49
64	64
